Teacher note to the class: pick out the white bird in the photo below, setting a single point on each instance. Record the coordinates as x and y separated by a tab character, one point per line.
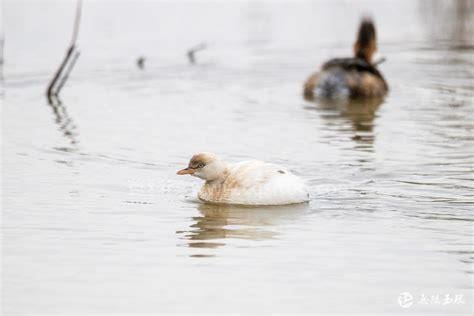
245	183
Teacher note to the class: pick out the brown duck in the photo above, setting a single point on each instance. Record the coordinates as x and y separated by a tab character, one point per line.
354	77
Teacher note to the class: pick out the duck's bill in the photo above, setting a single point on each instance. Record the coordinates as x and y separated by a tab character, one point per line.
186	171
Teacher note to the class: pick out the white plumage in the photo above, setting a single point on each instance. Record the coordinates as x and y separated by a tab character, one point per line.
245	183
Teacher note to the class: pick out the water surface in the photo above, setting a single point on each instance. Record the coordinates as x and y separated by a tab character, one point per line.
95	221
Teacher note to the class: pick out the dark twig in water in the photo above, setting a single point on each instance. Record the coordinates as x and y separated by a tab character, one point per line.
380	61
192	51
77	21
68	71
141	62
54	89
51	91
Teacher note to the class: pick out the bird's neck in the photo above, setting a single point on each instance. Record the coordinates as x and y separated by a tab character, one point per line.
220	179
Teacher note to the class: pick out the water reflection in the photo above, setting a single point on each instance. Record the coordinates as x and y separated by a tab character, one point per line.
217	224
65	122
360	114
449	21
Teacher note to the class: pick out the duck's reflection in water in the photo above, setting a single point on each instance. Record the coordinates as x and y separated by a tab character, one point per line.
360	114
217	224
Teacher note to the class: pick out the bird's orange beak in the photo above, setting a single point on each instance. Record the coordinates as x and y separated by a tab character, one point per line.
186	171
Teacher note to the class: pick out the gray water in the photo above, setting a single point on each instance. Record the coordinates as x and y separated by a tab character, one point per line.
95	220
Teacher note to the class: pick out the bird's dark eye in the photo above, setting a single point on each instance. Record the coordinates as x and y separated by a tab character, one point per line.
201	165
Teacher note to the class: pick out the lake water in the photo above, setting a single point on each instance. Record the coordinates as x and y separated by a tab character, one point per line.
95	220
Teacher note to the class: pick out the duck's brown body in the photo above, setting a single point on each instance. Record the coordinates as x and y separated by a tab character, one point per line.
355	77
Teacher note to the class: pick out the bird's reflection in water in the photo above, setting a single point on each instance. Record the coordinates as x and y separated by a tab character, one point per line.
360	114
217	224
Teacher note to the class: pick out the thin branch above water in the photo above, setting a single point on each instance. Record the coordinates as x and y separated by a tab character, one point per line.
60	77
